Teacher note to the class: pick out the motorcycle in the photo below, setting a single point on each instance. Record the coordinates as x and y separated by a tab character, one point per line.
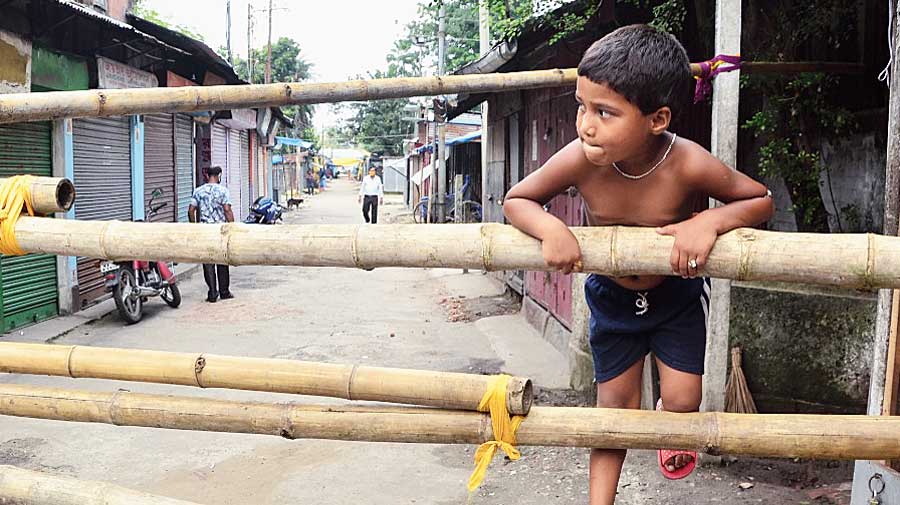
264	211
133	283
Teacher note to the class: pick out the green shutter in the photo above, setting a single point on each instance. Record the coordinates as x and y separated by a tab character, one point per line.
28	284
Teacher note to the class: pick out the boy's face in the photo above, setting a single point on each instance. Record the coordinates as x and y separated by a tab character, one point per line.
610	127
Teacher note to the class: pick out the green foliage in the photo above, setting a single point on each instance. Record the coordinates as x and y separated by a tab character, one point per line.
461	24
142	11
799	112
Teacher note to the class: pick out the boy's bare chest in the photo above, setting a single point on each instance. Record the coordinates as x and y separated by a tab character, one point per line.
645	202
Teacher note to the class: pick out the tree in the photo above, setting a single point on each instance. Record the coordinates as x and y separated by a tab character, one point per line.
142	11
287	66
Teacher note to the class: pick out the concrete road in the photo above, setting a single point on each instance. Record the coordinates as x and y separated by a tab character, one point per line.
387	317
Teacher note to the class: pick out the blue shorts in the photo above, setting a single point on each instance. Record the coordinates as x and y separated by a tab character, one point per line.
669	320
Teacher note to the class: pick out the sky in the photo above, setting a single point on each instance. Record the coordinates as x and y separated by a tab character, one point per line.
341	38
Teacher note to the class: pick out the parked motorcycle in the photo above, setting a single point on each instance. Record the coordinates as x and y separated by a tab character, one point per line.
264	211
133	283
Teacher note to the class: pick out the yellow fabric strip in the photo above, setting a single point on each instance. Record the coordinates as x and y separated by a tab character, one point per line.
494	401
15	195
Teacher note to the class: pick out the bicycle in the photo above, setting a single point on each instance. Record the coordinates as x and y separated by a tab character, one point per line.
470	211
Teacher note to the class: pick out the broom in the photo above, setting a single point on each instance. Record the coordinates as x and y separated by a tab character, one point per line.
737	395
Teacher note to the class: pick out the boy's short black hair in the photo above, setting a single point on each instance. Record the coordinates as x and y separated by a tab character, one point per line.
214	171
647	66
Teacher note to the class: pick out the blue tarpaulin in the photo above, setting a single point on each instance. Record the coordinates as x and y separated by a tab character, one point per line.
469	137
288	141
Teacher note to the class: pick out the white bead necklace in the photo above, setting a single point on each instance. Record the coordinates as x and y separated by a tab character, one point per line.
648	172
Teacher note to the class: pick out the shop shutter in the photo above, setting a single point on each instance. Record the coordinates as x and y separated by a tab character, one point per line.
159	164
184	163
233	181
28	291
245	170
102	148
219	155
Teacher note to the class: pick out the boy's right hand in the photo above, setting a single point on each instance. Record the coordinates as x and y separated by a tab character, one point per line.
561	251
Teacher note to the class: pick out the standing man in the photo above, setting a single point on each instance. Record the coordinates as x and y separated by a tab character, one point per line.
371	193
211	204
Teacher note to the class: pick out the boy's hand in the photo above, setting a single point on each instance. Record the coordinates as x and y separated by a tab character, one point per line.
561	251
694	239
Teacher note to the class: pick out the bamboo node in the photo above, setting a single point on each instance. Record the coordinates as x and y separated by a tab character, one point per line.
288	91
745	241
486	247
613	245
869	276
199	365
113	410
350	382
69	360
354	248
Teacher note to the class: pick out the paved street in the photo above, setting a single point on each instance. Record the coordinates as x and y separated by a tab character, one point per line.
387	317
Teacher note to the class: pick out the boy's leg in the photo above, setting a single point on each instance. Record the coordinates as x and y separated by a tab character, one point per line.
622	392
680	392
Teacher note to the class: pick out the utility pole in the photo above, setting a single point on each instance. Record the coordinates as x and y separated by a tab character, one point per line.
269	48
440	161
249	42
228	30
484	39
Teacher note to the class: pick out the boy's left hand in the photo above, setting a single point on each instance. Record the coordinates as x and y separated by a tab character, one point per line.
694	239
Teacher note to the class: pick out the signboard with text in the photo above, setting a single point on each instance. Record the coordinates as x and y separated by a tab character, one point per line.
114	75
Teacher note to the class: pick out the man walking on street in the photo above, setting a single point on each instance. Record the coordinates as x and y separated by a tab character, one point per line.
212	204
371	193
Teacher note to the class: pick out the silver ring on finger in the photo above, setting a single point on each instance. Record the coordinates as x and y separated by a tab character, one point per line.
692	263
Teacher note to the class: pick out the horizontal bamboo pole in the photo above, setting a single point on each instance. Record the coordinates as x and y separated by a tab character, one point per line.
764	435
849	260
26	487
17	107
350	382
50	194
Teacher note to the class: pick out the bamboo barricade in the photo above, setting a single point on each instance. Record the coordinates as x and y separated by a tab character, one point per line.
26	487
17	107
350	382
763	435
50	194
853	260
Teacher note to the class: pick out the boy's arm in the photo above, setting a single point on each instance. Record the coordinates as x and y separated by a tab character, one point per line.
523	206
747	203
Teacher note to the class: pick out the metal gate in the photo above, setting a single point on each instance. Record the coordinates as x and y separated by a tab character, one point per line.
219	156
102	148
28	291
159	164
184	164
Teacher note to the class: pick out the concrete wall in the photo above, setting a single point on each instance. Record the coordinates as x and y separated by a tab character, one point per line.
15	63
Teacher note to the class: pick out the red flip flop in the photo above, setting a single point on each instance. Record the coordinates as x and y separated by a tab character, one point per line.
663	455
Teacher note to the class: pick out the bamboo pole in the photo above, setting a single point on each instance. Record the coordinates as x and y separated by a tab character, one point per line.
26	487
849	260
50	194
17	107
350	382
763	435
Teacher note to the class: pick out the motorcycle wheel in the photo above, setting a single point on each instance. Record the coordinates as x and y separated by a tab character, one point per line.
171	295
130	307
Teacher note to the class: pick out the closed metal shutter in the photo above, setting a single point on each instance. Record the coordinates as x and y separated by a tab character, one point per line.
102	148
27	283
260	171
233	181
184	163
159	164
245	171
219	155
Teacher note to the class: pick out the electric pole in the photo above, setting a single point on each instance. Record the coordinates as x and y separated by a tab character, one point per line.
228	30
249	42
484	39
269	48
440	161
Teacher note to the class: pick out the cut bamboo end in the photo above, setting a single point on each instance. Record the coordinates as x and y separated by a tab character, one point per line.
26	487
350	382
766	435
51	194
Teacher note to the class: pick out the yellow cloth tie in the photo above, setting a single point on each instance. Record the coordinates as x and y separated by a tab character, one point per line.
15	194
494	401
